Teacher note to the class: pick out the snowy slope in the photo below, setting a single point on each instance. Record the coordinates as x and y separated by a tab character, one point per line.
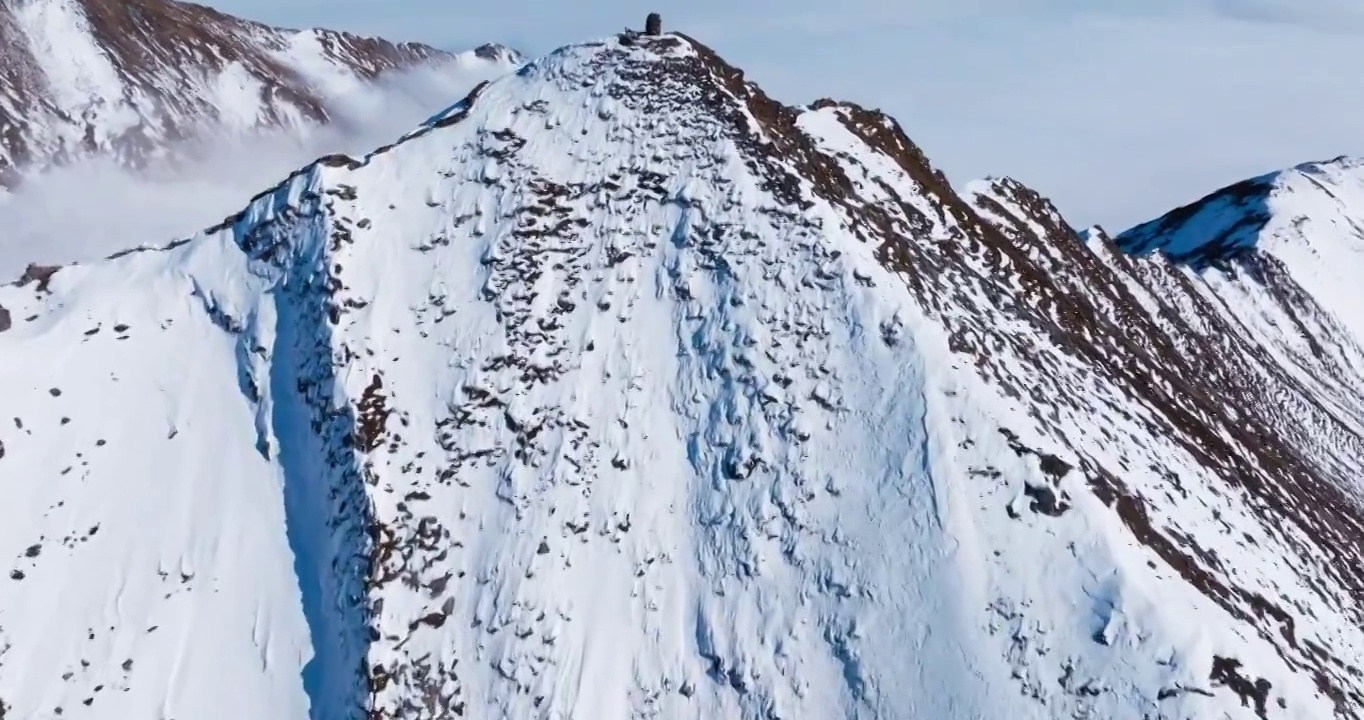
149	572
128	78
621	390
1310	219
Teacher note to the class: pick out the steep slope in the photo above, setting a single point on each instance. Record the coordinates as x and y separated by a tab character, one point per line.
129	77
621	390
1307	221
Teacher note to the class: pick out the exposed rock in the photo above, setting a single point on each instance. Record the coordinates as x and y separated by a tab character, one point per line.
41	274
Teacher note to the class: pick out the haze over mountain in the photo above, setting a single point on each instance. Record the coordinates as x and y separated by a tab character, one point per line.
154	103
131	78
620	389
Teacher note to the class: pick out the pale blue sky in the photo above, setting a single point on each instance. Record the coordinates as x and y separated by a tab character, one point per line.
1117	113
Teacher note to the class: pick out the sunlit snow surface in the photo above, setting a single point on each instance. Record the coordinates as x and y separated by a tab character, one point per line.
582	402
1310	218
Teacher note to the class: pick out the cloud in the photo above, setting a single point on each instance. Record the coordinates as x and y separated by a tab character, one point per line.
92	209
1322	15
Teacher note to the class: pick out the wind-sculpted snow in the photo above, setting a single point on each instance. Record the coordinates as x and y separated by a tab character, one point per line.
620	390
148	569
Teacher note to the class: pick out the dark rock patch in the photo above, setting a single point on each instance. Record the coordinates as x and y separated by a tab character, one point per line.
1226	672
42	274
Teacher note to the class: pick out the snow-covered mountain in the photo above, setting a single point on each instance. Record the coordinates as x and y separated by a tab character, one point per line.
1307	221
622	390
129	77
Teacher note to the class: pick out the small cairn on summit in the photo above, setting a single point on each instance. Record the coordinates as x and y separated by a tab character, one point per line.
653	24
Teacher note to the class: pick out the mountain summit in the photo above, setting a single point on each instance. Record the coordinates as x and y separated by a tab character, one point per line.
622	390
1307	219
128	77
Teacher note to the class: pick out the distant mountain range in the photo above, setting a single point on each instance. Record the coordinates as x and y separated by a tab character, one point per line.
130	78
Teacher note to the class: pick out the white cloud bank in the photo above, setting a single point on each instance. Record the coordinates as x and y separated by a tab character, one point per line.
92	209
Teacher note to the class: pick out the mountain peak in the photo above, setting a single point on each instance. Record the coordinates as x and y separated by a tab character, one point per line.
1338	163
1308	219
1212	230
127	78
499	53
1230	222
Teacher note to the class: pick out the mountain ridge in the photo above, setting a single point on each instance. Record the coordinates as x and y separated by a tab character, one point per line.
127	78
1305	220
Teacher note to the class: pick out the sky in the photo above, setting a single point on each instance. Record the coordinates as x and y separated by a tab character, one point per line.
1119	110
